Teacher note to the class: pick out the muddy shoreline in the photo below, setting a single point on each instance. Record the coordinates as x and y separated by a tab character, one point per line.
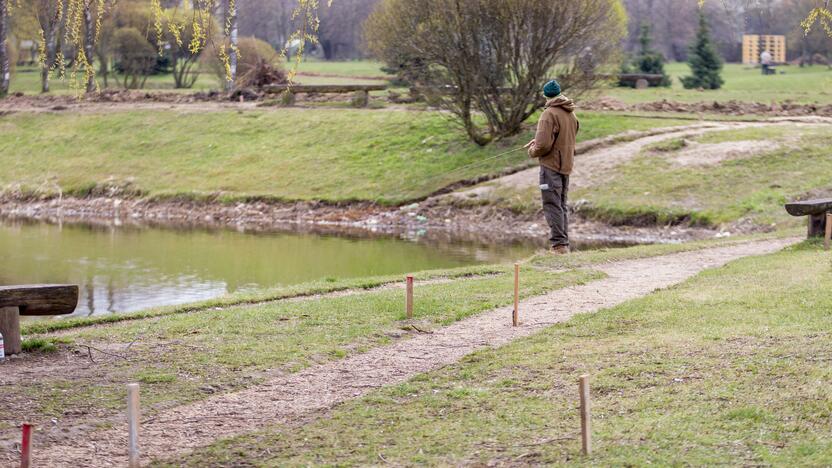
428	220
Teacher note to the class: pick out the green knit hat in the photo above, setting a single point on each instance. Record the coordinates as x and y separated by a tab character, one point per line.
551	89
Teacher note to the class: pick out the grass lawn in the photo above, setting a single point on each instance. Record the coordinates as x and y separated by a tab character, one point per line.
351	68
730	367
179	354
742	83
673	182
26	79
286	154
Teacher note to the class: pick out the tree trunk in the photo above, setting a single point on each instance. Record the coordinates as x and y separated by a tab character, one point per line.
51	47
10	328
231	26
89	45
5	66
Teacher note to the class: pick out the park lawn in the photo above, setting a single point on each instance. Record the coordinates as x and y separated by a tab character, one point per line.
26	79
179	355
287	154
348	68
728	368
655	188
742	83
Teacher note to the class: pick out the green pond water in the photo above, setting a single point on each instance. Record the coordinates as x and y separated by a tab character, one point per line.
124	269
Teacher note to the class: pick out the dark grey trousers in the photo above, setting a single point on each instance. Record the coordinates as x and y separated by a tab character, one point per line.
554	188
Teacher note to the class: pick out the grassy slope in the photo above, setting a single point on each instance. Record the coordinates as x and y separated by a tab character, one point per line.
730	367
179	354
654	187
292	154
742	83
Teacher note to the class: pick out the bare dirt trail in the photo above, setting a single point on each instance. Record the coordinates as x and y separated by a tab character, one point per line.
596	165
309	393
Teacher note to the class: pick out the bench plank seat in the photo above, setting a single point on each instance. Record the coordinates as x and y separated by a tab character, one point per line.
40	299
32	299
297	88
816	210
809	207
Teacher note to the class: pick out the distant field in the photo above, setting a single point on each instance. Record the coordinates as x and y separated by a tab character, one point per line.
742	83
356	68
291	154
26	79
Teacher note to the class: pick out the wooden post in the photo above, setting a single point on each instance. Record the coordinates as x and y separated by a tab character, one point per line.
409	298
586	434
516	315
26	446
133	416
828	236
10	328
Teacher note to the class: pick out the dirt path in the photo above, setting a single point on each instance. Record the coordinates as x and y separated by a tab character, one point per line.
306	394
597	165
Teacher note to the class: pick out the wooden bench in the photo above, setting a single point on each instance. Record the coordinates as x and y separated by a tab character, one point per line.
32	300
360	98
640	80
816	210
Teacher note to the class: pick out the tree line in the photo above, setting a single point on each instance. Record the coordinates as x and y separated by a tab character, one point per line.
137	38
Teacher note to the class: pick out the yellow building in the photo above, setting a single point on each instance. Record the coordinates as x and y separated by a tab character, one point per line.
753	45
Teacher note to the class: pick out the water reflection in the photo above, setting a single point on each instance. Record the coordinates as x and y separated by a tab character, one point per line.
130	268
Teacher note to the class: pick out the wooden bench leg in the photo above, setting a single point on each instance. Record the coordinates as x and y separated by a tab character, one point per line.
10	328
361	99
817	225
827	237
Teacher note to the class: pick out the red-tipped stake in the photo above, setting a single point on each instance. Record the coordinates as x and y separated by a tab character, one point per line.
409	298
516	315
26	446
133	424
828	235
586	432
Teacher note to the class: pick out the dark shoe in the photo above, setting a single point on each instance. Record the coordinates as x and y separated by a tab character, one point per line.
560	249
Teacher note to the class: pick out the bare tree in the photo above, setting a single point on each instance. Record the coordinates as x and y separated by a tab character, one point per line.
484	58
5	62
269	20
50	15
339	32
231	31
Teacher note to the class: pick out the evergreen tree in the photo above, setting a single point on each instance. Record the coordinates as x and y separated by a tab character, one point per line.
647	61
704	61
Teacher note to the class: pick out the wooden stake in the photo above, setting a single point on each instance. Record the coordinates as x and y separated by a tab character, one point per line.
828	235
515	317
26	446
409	299
586	434
133	424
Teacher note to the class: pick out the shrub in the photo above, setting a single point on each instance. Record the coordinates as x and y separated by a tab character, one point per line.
135	57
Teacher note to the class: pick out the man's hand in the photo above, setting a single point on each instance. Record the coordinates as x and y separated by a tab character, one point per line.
529	144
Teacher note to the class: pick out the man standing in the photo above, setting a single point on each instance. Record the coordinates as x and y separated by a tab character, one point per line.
554	147
765	61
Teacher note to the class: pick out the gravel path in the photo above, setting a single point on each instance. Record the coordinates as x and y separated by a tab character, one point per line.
306	394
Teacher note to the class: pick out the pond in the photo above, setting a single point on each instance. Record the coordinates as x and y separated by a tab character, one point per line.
124	269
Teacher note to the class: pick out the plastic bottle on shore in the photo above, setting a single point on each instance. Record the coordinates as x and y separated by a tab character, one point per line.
2	348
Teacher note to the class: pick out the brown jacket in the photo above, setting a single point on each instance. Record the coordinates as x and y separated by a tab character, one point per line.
554	142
